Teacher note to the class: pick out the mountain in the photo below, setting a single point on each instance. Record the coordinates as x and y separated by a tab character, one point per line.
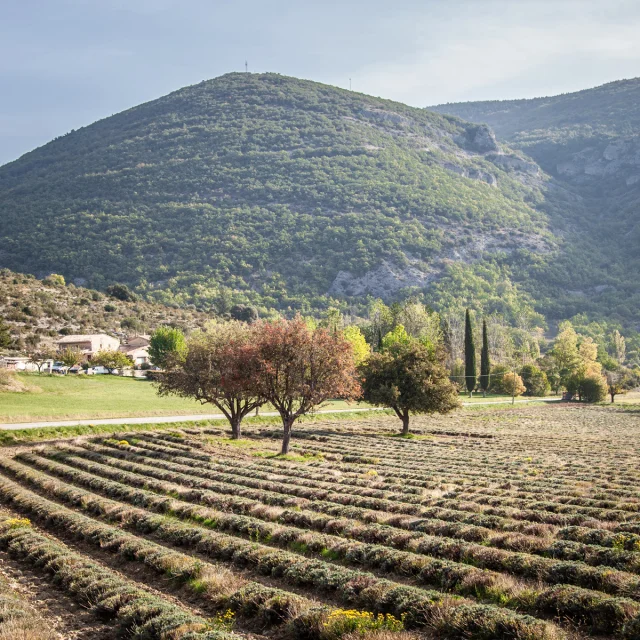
589	143
293	195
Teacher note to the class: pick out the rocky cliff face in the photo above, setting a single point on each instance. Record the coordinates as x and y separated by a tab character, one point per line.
588	142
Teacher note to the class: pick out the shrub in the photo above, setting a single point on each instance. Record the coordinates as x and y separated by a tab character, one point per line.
535	381
594	388
121	292
55	280
505	382
343	621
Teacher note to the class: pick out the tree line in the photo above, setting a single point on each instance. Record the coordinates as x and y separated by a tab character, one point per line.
405	358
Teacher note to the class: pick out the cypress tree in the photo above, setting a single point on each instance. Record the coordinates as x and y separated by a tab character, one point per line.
469	354
485	362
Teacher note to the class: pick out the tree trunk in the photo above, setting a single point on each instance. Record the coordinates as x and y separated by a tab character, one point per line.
612	397
405	424
287	423
235	428
484	393
471	393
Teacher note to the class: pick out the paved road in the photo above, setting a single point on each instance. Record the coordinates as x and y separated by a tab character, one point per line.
205	416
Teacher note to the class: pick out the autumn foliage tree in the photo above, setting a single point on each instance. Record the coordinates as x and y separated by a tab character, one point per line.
218	366
300	368
410	379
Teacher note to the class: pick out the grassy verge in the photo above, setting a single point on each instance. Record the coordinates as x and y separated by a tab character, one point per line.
24	436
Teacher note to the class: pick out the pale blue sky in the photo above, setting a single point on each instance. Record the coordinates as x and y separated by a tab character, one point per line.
67	63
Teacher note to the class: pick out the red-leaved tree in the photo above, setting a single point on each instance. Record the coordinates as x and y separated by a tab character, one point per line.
219	366
300	368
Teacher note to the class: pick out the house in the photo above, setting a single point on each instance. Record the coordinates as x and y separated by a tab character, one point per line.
16	363
89	344
137	348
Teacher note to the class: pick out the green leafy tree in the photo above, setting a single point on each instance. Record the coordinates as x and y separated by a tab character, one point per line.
111	359
565	352
410	379
593	388
485	361
166	342
535	381
470	370
397	335
70	357
359	346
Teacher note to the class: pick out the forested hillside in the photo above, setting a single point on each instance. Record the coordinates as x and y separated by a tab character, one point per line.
589	142
293	195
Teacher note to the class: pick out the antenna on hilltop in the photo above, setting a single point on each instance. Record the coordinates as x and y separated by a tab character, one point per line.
246	66
349	84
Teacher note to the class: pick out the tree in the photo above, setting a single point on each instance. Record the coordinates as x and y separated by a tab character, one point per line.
615	385
121	292
244	313
5	335
619	346
594	388
359	346
565	352
397	335
469	354
300	368
41	357
410	379
505	382
421	323
70	357
535	381
111	359
166	342
512	384
549	365
485	361
219	366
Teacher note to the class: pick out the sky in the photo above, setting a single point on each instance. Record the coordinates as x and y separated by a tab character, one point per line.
67	63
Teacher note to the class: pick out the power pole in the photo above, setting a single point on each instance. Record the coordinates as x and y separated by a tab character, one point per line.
349	84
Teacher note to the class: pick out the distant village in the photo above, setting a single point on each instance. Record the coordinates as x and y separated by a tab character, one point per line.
87	346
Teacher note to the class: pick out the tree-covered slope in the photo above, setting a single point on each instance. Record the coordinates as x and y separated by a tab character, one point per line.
589	143
264	188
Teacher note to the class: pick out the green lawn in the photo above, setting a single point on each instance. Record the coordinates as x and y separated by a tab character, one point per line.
88	397
92	397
